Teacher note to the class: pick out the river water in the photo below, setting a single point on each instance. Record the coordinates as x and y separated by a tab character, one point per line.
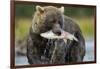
22	60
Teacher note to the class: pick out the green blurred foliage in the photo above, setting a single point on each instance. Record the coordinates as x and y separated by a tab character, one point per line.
86	25
77	11
23	10
22	27
26	10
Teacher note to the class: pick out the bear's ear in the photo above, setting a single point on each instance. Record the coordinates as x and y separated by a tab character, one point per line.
40	9
61	9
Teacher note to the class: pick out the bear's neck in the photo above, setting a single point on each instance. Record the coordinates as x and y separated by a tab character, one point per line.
37	22
36	25
34	34
34	31
35	28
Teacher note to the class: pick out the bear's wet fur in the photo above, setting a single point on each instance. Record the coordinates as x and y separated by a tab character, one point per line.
40	50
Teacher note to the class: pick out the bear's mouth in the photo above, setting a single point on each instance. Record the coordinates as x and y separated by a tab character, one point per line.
64	35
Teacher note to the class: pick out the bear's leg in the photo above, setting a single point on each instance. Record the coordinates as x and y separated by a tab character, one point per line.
76	51
32	51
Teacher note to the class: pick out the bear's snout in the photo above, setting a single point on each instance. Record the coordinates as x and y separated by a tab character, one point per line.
56	29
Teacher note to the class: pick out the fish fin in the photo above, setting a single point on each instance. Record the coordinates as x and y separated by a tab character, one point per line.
65	40
75	39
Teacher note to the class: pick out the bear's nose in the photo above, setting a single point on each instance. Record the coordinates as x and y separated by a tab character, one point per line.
57	32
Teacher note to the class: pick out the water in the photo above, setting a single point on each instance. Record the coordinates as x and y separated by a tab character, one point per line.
89	51
22	60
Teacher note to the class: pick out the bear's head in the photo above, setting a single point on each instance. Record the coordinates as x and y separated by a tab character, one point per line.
48	18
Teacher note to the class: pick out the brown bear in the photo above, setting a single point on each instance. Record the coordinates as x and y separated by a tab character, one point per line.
41	50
